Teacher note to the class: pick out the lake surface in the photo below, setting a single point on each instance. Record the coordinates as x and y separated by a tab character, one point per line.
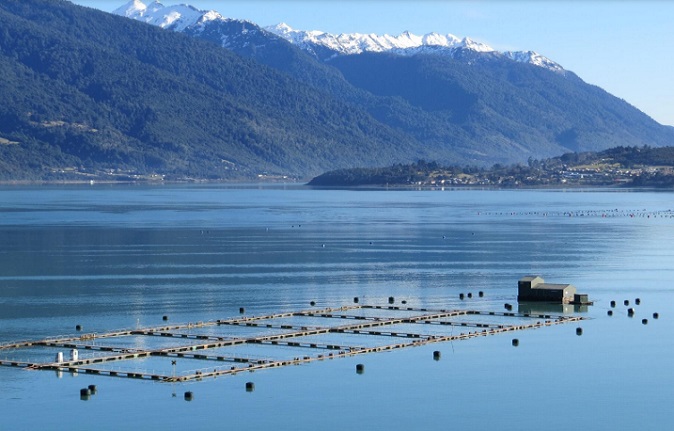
111	257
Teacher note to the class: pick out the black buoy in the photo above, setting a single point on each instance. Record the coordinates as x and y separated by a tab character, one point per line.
480	294
637	301
612	303
312	303
470	295
164	318
644	321
630	312
78	327
250	386
391	300
516	342
610	312
85	392
188	396
461	296
403	301
626	302
579	331
355	300
436	355
656	315
360	368
92	389
242	310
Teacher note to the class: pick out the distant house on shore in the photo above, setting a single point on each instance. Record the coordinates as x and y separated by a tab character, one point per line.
534	288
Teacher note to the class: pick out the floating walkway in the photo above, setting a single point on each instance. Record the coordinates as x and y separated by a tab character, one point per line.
390	323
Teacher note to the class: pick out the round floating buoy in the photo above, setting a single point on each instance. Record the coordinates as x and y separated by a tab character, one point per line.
242	310
85	392
360	368
312	303
637	301
391	300
188	396
610	312
516	342
164	318
630	312
78	327
656	315
644	321
626	302
579	331
480	294
461	296
470	295
355	300
403	301
92	389
436	355
612	303
250	386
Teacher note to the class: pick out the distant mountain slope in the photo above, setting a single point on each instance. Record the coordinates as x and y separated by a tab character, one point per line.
89	95
459	99
504	106
87	91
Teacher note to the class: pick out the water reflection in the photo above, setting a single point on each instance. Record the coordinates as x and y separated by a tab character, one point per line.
550	308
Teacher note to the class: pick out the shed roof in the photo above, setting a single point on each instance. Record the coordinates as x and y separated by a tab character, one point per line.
530	278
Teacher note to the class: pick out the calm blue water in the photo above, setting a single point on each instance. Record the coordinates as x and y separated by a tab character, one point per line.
118	257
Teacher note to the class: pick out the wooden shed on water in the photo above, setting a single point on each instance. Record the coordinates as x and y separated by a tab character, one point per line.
534	288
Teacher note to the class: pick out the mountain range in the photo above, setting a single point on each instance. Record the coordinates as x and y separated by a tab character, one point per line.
197	95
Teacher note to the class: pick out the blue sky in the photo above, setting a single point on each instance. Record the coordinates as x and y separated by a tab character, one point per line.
625	47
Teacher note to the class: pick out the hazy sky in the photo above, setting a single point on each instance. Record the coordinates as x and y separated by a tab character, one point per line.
625	47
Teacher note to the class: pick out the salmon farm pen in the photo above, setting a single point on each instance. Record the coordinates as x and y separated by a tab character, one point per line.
229	346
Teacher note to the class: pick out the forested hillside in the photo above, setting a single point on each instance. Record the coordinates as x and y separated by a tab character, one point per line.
90	91
93	96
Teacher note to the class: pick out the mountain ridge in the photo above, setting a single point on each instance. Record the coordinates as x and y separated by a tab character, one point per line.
182	16
504	130
94	95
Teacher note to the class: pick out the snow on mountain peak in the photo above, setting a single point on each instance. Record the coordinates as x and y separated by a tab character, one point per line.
533	58
132	8
404	44
181	17
356	43
177	17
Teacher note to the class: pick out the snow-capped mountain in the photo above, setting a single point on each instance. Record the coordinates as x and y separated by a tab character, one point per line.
322	45
356	43
403	44
533	58
177	17
186	108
